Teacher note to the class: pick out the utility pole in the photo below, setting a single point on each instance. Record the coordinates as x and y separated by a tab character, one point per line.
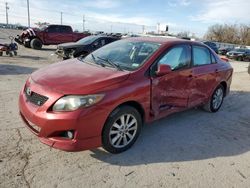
143	29
7	17
61	17
158	25
28	8
83	23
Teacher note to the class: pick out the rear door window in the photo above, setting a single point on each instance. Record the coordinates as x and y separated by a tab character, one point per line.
201	56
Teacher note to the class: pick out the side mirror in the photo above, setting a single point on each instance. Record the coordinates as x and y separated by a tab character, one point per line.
95	44
224	59
163	69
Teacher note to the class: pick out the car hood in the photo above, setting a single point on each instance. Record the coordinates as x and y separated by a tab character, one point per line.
69	45
77	77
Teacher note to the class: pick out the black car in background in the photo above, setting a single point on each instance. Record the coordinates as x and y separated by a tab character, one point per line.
223	51
241	54
212	45
83	46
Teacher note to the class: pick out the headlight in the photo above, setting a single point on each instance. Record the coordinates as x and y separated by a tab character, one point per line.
73	102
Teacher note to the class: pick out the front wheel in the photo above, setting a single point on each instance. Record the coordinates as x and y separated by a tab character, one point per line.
121	129
36	44
215	100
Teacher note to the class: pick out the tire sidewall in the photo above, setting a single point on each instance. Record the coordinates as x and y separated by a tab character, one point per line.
36	44
212	109
110	121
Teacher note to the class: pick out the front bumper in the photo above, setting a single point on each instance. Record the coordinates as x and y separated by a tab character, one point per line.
18	40
61	54
87	124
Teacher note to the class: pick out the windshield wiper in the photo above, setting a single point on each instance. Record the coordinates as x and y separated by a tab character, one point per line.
111	63
94	59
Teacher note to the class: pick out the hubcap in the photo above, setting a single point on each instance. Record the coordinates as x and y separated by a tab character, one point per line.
123	131
217	98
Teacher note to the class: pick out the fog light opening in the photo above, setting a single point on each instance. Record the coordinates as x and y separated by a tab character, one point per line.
68	134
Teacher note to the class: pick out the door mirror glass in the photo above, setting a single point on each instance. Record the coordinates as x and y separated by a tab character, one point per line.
163	69
96	44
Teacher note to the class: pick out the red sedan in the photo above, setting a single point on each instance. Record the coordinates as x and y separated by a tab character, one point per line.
106	97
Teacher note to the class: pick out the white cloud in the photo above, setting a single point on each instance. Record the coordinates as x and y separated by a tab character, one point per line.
184	2
102	4
179	3
224	11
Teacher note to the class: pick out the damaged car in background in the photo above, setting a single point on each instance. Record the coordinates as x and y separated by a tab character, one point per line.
83	47
48	35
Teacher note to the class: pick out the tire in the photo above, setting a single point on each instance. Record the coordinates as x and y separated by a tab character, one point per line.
240	59
115	142
1	53
215	100
65	58
15	53
27	44
36	44
11	54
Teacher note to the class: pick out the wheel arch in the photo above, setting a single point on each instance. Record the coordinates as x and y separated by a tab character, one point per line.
224	84
135	105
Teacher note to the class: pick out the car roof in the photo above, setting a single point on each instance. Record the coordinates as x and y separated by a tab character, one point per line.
162	40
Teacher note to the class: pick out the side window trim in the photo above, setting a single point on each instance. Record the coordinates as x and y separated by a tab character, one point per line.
213	57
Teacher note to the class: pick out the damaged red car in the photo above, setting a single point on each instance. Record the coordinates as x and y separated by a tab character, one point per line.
104	98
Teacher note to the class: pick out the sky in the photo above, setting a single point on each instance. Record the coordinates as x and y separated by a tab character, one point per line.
194	16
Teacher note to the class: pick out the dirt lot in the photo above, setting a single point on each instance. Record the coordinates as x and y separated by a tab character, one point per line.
189	149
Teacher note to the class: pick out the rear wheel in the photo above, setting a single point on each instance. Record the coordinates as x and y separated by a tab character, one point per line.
1	53
215	100
121	129
36	44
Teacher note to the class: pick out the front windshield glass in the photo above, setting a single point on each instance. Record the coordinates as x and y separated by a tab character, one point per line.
87	40
128	55
241	50
43	27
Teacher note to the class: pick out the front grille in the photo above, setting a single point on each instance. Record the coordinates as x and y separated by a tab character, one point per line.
35	98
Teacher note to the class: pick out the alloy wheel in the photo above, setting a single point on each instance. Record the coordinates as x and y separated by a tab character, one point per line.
123	131
217	98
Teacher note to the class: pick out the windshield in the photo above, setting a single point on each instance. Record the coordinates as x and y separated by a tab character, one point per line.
87	40
128	55
241	50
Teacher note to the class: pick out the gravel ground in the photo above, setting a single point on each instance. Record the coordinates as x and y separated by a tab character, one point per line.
189	149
